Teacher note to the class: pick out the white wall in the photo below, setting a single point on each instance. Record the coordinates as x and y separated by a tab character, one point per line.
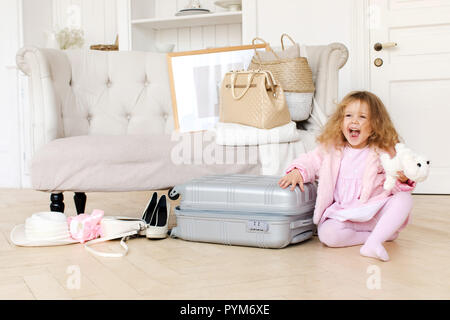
97	18
37	20
313	23
10	146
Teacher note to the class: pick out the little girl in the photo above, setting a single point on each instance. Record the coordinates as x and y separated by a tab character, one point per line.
352	208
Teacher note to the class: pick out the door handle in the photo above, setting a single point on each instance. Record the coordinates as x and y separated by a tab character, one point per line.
379	46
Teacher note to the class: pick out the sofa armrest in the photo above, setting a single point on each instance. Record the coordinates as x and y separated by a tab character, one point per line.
45	116
325	62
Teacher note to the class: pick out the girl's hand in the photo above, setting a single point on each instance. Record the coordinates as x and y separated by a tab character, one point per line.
401	177
292	178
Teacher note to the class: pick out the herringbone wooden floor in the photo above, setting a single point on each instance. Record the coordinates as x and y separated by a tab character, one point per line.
177	269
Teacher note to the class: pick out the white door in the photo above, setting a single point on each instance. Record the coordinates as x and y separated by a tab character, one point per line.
414	78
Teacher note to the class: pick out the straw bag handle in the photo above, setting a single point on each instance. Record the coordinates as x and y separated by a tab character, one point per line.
250	77
282	37
268	48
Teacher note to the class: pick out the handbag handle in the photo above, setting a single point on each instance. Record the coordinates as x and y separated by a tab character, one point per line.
268	75
282	37
268	48
250	77
270	80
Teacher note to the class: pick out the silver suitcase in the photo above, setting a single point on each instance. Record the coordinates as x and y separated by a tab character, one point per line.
244	210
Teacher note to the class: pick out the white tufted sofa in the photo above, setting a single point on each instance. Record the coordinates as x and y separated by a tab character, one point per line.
102	121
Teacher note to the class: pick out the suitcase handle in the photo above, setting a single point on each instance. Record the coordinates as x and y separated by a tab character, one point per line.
301	223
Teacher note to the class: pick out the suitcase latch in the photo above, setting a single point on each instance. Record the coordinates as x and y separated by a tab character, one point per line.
257	226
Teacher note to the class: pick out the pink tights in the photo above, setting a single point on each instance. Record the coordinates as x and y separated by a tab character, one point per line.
384	226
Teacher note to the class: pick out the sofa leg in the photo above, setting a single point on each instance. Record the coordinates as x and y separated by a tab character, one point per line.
57	202
80	201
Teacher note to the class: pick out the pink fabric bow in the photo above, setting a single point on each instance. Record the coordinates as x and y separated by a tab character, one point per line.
85	227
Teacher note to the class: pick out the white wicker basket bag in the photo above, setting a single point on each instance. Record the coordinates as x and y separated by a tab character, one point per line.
293	73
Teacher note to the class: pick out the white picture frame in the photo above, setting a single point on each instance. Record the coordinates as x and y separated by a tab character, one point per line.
195	79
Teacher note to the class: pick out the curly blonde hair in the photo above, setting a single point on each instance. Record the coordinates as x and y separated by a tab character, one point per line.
384	136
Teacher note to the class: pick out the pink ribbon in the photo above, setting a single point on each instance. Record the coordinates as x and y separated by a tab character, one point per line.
85	227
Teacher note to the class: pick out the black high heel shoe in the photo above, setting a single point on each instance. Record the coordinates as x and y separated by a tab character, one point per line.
158	226
150	209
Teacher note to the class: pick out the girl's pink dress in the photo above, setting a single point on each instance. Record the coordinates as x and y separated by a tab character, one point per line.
346	205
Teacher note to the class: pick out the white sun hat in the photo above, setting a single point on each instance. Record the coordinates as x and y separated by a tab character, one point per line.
42	229
52	229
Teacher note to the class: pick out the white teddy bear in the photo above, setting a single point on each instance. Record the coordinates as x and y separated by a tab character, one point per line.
415	167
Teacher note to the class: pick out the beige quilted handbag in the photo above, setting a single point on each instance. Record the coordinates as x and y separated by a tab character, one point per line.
253	98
